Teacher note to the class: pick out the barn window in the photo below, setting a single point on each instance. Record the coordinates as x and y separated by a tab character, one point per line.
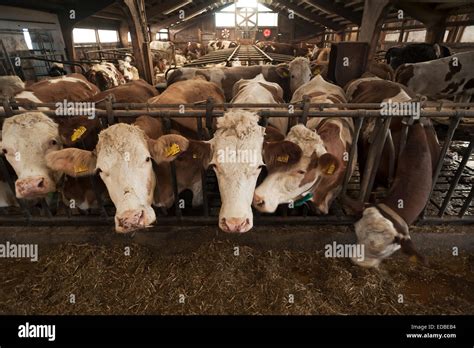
84	35
416	36
225	18
162	35
108	36
392	36
468	34
26	35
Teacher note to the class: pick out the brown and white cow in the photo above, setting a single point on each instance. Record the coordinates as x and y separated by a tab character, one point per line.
440	78
296	50
195	90
26	140
383	227
324	143
129	72
138	91
122	158
193	50
105	76
260	91
215	45
73	88
225	77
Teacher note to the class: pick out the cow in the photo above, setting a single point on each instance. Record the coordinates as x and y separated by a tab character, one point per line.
193	50
137	91
27	138
105	76
317	174
57	69
415	53
225	77
296	50
215	45
298	71
129	72
383	226
122	158
73	88
260	91
440	78
196	90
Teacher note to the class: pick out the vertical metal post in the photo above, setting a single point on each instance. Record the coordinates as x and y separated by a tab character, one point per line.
353	151
456	178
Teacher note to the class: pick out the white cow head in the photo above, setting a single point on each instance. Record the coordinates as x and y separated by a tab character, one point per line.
289	181
298	70
377	234
123	159
26	139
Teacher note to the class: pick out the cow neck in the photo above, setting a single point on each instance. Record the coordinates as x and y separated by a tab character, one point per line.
412	182
398	222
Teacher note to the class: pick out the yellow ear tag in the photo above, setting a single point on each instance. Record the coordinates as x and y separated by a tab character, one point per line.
80	169
172	150
331	169
283	159
78	133
316	72
285	74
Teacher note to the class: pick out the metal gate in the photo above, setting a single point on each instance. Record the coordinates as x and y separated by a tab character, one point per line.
450	200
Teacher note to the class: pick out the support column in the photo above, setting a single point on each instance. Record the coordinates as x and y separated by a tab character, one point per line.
372	19
134	11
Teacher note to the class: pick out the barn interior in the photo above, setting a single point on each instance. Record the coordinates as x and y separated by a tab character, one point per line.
186	255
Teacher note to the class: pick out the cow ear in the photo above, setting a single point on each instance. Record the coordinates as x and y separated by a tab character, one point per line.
273	134
328	164
167	147
281	153
198	151
73	162
72	133
283	70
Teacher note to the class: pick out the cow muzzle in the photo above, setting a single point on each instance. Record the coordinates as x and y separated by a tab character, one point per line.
33	187
235	225
132	220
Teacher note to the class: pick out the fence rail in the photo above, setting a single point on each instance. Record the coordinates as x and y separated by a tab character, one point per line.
450	199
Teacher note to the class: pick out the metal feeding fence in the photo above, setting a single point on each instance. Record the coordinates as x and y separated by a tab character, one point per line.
450	198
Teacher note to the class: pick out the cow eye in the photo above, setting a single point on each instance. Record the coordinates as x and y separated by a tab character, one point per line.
148	159
53	142
261	166
4	151
292	76
301	172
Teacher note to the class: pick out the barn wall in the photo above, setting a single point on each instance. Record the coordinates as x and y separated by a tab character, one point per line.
44	30
206	30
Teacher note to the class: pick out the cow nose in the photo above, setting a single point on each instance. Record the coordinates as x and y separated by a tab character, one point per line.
233	225
130	220
31	187
258	201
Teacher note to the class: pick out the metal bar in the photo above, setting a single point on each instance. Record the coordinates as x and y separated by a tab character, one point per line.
305	107
209	112
167	123
456	178
353	151
467	203
449	136
109	108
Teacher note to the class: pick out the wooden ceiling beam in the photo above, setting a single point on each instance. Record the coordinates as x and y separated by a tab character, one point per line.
297	9
341	11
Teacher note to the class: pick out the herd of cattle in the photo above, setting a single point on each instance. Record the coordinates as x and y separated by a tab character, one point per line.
304	162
